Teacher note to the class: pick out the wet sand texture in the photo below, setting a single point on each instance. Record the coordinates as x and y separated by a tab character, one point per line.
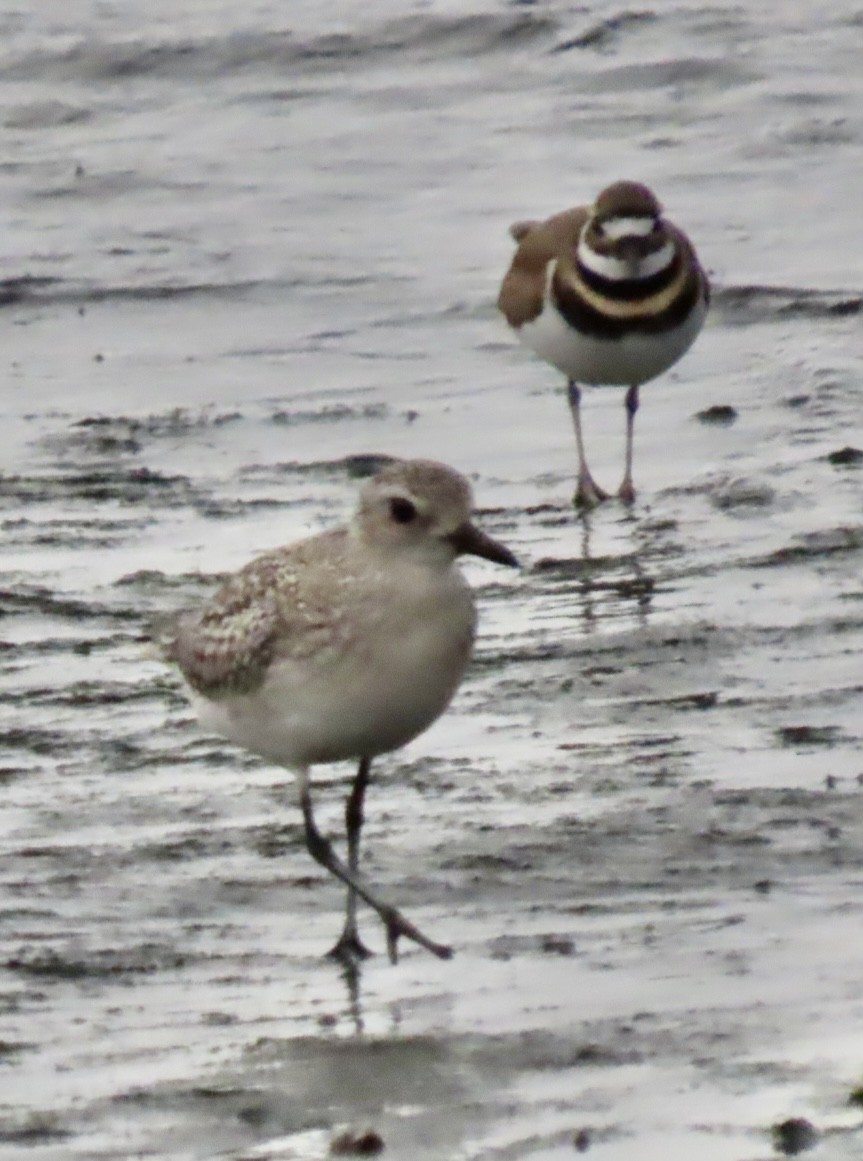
245	251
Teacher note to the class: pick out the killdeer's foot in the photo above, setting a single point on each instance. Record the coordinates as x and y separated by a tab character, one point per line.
588	494
626	493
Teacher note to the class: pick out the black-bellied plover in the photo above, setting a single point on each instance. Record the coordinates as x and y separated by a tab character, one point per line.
343	646
610	294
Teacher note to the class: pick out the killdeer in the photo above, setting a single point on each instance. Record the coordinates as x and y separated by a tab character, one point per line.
610	294
343	646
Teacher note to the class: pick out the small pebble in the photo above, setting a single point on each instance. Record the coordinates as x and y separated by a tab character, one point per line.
366	1143
845	456
794	1136
557	945
720	415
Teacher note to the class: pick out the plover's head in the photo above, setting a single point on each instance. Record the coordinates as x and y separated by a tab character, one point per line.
625	237
423	509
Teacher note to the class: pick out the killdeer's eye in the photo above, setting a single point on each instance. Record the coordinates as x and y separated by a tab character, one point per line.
402	510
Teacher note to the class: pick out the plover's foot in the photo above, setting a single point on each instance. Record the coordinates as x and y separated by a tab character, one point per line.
349	949
397	926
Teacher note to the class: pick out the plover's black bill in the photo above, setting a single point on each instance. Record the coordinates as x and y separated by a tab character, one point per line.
470	540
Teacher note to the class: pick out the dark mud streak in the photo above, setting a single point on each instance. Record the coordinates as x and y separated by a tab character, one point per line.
30	599
52	965
605	33
281	52
744	305
134	486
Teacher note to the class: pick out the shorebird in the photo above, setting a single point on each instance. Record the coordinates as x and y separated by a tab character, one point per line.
345	645
610	294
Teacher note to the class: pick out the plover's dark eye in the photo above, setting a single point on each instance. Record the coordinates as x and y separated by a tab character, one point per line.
401	510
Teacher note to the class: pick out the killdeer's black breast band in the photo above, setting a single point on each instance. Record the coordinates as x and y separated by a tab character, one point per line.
629	289
588	320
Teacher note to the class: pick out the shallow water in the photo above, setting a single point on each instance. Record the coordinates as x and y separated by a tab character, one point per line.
243	248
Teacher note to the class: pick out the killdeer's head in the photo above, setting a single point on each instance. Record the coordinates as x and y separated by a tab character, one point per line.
625	238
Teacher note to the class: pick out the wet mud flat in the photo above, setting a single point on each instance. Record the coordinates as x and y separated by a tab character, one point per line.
225	291
640	824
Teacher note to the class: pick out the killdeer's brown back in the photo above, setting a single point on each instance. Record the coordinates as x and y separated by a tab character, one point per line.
523	288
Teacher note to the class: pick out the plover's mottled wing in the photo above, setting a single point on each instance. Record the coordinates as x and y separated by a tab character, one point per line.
225	654
522	291
280	604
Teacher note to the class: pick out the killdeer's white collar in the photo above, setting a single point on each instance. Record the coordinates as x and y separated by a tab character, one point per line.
625	238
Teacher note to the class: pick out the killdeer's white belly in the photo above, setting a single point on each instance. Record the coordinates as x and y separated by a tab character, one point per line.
620	362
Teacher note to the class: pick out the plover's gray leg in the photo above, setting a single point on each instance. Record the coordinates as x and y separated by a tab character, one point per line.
587	492
349	948
322	852
626	491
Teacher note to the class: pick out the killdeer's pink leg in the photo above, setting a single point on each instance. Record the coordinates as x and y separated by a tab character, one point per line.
626	491
587	493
